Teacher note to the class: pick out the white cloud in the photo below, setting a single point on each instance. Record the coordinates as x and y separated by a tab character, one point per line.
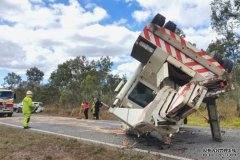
122	21
141	16
120	59
201	37
185	13
90	5
36	1
126	68
47	36
193	17
11	54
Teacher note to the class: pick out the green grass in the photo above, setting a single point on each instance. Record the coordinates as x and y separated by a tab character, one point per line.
231	123
27	145
196	120
227	113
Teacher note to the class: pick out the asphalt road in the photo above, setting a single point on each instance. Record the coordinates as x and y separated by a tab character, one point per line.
189	143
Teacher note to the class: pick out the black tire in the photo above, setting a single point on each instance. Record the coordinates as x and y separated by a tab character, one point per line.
227	65
170	26
159	20
9	114
218	57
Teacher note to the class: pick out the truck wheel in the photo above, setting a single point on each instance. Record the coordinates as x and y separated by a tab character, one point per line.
227	65
218	57
159	20
9	114
170	26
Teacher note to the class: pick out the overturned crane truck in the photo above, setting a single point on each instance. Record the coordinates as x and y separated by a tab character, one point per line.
171	82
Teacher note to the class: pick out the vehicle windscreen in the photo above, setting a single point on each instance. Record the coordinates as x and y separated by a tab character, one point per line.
141	95
6	94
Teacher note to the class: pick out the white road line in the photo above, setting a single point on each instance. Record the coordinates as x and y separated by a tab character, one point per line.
104	143
78	131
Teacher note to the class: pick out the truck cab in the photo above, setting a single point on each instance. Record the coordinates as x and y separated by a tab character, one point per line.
6	102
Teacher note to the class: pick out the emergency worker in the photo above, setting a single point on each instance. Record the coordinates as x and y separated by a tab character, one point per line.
93	109
97	105
27	109
85	107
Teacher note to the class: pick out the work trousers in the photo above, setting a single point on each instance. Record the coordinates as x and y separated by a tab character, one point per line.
26	119
96	114
86	113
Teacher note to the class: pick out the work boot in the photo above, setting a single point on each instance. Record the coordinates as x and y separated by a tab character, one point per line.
26	127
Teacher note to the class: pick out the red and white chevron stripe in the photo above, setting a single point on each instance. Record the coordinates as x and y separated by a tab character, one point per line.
181	57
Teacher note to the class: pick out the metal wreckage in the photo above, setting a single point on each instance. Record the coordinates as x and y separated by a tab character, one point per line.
171	82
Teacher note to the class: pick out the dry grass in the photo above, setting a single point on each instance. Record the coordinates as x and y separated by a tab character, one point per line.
26	145
227	115
75	112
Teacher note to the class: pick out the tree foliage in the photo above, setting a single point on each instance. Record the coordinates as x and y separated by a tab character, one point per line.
71	83
12	80
226	22
34	75
82	79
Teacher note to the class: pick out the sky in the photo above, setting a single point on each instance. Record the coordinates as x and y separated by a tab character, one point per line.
45	33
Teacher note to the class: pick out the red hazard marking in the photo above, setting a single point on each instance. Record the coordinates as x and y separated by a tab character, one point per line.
146	34
220	67
211	60
190	64
186	88
202	70
172	34
168	47
157	41
201	53
183	42
162	29
179	57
